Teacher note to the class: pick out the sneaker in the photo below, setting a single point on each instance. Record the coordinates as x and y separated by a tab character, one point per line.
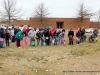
19	47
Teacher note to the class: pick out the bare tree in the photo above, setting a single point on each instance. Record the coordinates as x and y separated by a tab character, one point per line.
40	13
98	16
83	13
10	10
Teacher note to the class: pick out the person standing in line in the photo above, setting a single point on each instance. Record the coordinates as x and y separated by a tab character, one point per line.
2	36
83	34
19	37
71	35
7	37
59	37
12	35
38	37
47	35
96	32
32	35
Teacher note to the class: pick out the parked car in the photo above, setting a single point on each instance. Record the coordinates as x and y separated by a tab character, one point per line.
89	30
48	27
4	26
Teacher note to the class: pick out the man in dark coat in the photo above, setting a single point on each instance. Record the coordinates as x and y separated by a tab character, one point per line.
70	35
2	36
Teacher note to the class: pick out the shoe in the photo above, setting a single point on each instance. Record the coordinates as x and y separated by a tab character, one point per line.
19	47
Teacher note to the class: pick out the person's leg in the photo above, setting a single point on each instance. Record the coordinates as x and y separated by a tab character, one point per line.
72	42
76	42
3	42
30	41
25	34
38	41
18	42
8	42
13	38
48	41
69	41
0	44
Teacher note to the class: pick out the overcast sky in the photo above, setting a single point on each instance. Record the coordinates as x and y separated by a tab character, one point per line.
57	8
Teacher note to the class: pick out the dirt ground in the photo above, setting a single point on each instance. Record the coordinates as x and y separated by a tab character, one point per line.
82	59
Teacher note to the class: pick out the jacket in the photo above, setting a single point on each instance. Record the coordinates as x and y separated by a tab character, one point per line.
2	35
19	35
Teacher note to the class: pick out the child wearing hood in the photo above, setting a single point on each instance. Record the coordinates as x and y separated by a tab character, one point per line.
19	37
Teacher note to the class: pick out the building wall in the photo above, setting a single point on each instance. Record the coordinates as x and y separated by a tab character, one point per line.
68	22
17	22
95	25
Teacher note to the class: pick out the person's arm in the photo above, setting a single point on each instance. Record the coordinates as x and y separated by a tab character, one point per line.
68	33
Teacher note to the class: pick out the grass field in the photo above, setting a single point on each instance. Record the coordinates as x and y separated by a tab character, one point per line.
82	59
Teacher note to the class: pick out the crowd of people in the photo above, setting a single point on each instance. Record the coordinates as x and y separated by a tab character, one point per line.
42	37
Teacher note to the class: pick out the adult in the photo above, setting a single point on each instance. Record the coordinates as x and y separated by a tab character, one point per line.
95	32
78	36
32	35
41	37
83	34
2	36
12	35
7	37
59	36
38	37
47	35
70	35
19	37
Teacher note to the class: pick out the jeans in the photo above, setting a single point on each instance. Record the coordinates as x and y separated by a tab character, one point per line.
13	38
18	42
38	41
83	38
60	40
1	44
77	42
70	42
7	42
42	41
30	40
95	35
55	43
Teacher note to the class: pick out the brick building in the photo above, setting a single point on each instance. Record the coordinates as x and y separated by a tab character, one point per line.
54	22
95	25
60	23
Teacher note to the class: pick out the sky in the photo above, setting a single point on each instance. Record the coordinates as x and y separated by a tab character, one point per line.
56	8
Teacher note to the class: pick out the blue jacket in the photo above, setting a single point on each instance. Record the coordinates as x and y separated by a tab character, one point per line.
2	35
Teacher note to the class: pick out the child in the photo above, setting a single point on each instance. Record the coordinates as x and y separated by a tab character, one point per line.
62	40
92	38
26	42
71	39
7	37
77	40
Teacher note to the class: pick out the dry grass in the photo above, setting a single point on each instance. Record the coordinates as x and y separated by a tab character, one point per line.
51	60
